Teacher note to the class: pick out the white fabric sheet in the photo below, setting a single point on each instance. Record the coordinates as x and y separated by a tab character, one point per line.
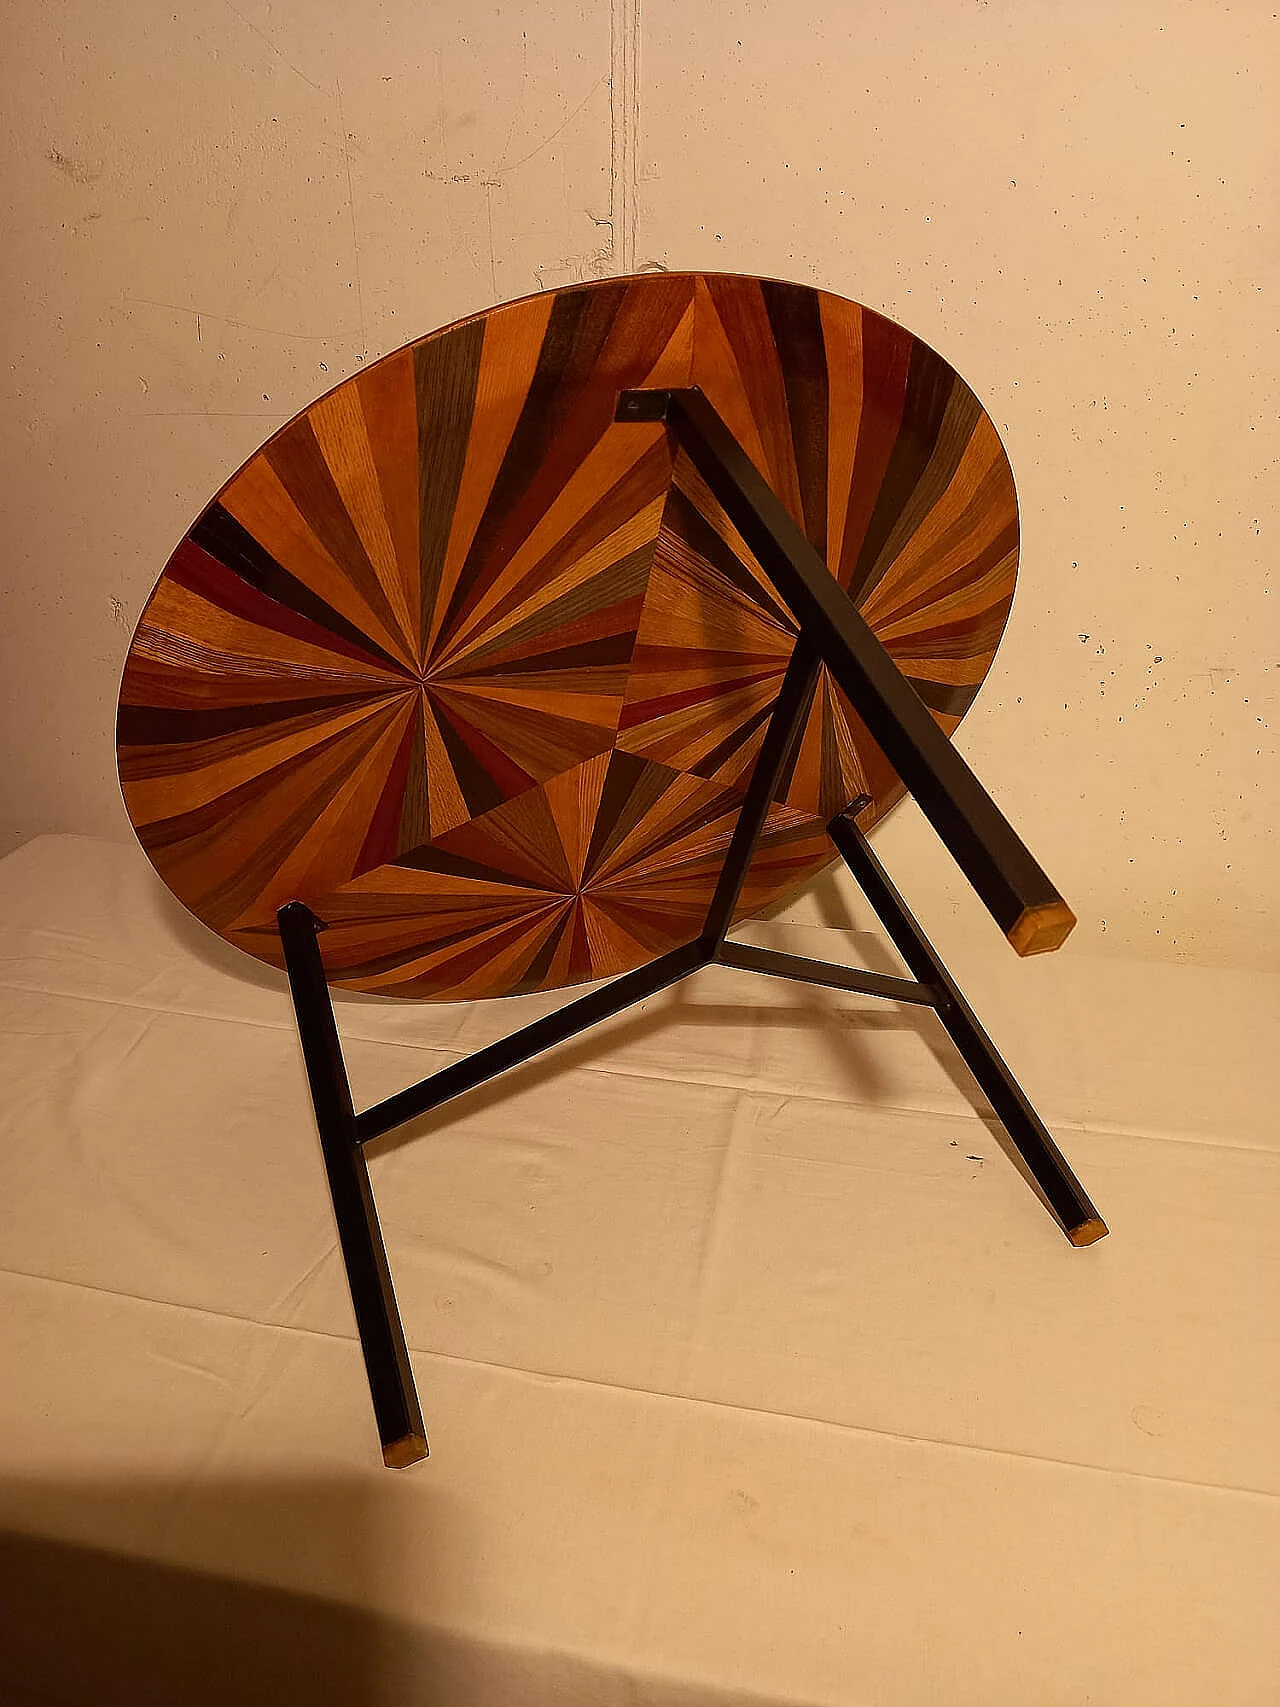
752	1370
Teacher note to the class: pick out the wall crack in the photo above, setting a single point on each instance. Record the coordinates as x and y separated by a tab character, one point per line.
624	131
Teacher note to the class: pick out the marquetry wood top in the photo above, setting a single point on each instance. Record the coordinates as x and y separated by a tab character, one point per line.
477	674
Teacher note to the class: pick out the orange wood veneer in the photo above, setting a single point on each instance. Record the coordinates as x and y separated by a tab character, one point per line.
479	675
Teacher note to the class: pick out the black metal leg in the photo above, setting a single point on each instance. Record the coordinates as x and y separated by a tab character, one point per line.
386	1357
786	723
1062	1191
1010	883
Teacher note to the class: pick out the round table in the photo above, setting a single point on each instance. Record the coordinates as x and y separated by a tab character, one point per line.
479	674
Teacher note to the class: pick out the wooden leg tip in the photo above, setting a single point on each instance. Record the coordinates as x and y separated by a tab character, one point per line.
1088	1232
1039	930
409	1449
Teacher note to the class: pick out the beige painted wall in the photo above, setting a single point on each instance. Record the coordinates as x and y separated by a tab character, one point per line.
213	213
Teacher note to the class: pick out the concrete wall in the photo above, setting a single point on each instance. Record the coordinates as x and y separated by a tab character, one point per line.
214	212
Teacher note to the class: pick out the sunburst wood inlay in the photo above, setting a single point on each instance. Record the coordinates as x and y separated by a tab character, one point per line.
479	675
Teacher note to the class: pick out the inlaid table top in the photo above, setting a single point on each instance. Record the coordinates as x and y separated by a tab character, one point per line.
480	674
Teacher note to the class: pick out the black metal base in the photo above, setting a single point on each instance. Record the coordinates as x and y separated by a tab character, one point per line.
1016	891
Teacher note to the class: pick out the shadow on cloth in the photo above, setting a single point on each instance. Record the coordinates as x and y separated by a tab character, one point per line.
155	1594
